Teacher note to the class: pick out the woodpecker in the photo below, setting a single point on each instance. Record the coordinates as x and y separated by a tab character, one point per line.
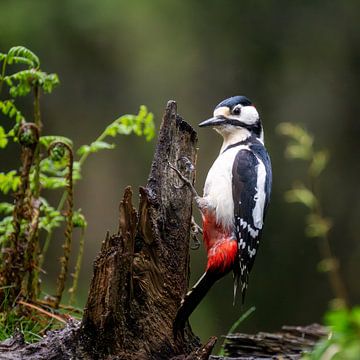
234	202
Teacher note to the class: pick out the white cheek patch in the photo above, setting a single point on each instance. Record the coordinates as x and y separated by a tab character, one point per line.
248	115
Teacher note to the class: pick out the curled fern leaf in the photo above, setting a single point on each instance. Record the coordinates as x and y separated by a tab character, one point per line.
46	141
22	55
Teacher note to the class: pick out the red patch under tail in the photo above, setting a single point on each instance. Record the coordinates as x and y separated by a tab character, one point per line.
220	245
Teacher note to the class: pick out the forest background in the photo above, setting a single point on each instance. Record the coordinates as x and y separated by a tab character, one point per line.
298	62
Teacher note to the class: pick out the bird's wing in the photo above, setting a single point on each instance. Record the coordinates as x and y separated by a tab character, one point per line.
249	206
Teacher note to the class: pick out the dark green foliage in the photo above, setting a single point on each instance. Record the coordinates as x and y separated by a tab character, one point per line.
301	147
343	342
47	162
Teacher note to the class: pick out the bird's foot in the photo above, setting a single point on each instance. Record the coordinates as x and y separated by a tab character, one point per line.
190	167
195	230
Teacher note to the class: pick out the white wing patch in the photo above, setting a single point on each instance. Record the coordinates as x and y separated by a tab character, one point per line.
260	196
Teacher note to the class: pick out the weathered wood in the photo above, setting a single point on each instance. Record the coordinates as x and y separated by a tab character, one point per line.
56	345
141	273
290	343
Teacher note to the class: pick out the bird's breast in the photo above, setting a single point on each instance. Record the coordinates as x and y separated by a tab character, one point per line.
218	188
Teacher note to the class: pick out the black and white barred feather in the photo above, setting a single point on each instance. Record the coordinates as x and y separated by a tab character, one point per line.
251	186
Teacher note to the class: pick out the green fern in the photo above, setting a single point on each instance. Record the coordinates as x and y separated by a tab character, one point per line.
22	55
47	163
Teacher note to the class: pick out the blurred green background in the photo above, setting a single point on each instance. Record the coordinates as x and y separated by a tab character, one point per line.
298	61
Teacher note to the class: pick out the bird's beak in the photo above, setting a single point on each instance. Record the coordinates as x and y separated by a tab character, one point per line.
214	121
219	118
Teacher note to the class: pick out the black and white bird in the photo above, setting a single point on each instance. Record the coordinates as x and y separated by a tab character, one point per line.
235	200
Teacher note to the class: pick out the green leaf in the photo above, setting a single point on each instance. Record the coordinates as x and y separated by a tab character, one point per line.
8	108
48	82
79	220
112	129
76	171
302	195
52	182
149	126
6	208
319	161
22	82
343	341
295	132
54	168
50	218
19	83
140	124
6	228
317	226
20	54
298	151
100	145
327	265
84	149
3	138
9	181
300	141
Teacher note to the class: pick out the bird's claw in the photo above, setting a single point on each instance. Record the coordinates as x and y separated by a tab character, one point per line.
195	230
178	187
196	243
186	181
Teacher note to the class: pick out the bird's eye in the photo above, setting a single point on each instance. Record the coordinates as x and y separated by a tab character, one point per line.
236	110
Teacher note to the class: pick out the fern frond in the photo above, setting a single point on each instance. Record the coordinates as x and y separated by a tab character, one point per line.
8	108
21	82
22	55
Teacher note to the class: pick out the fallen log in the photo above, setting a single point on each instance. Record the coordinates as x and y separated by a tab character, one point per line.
289	343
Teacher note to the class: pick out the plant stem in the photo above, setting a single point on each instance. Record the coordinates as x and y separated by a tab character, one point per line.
77	267
85	155
64	260
33	240
335	279
235	325
49	234
3	73
62	203
37	120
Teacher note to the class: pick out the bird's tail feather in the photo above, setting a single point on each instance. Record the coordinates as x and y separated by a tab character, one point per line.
240	281
192	300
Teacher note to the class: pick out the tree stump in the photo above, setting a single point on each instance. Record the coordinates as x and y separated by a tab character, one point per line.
141	273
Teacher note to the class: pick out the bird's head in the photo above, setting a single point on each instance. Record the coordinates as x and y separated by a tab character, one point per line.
236	117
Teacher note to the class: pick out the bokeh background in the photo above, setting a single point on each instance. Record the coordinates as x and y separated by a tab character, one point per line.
298	61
